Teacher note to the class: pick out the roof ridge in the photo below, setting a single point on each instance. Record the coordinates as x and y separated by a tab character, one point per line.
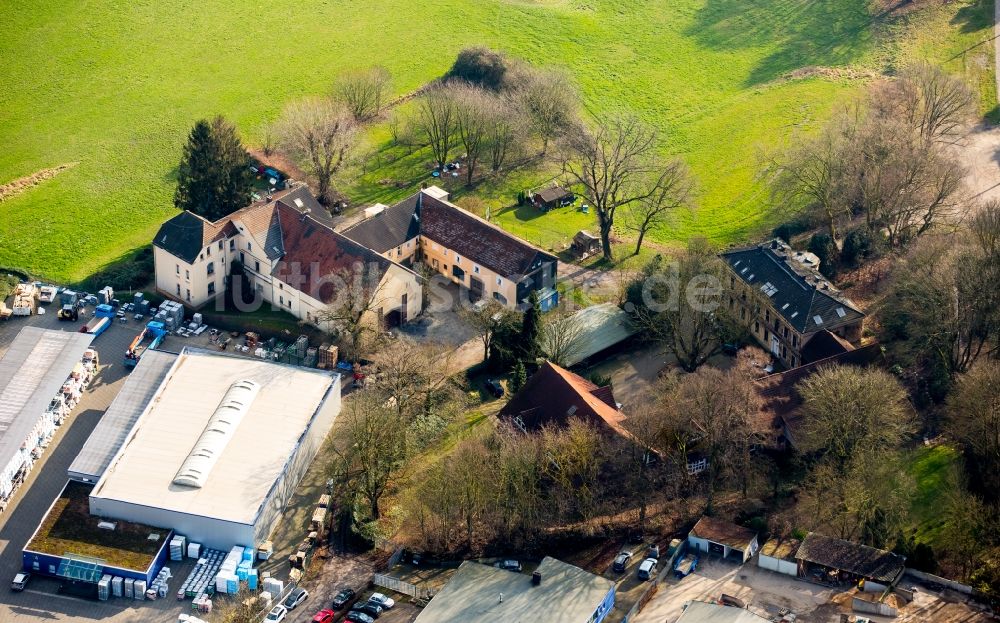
483	221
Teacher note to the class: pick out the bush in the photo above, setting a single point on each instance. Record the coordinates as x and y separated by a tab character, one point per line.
481	66
822	246
859	245
786	231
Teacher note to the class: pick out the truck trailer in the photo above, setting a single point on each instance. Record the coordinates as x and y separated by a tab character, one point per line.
104	315
150	337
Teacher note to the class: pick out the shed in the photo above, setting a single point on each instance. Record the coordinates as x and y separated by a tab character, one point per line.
596	329
586	243
830	559
779	555
716	536
553	197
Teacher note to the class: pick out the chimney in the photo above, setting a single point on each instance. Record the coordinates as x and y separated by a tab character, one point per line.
536	578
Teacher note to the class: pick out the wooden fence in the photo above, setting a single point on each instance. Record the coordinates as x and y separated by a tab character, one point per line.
400	586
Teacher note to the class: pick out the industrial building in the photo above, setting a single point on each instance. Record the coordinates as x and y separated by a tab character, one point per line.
41	377
217	450
556	592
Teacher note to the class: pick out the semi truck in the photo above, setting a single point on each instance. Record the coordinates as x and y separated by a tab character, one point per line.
104	316
150	337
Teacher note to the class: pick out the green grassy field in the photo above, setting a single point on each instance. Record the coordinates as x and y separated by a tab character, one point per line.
930	468
115	87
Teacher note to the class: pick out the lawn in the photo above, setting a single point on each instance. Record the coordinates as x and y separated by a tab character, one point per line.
115	87
930	468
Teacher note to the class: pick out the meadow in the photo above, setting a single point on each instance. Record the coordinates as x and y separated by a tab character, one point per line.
115	87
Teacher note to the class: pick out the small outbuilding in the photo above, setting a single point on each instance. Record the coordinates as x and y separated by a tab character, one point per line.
831	560
551	198
779	555
716	536
586	243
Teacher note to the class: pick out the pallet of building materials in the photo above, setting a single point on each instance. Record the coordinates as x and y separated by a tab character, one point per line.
139	590
104	588
117	586
177	546
129	588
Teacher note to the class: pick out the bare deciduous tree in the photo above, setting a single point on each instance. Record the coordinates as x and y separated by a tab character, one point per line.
549	100
974	417
934	103
436	119
485	319
320	133
364	91
673	193
562	339
375	447
505	132
358	295
615	165
473	111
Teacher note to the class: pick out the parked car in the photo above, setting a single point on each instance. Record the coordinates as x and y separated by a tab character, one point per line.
621	562
277	613
636	536
295	598
343	598
324	616
20	581
509	565
358	617
383	600
494	387
370	608
647	569
653	551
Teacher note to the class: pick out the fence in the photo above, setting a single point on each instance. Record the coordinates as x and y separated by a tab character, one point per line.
873	607
395	584
933	579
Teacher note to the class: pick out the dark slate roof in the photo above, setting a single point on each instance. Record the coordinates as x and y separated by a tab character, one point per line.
797	291
182	236
301	195
554	193
553	395
478	240
824	345
389	228
723	532
861	560
314	251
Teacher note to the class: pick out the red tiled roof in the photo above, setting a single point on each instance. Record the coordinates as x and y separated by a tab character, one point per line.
478	240
314	251
723	532
553	395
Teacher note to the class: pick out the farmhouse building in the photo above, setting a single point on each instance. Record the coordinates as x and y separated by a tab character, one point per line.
780	295
553	395
835	560
715	536
288	252
467	250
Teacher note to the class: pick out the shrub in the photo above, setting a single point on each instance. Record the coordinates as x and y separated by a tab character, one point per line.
481	66
134	273
786	231
859	245
822	246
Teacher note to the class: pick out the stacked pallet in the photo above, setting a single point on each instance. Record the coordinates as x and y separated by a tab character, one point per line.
204	573
177	546
25	299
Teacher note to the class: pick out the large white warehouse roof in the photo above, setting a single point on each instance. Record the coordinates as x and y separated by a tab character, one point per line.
216	437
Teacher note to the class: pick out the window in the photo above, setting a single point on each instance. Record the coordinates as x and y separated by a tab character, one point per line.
188	292
249	246
767	335
243	258
458	273
434	263
232	244
256	266
500	297
795	362
499	281
178	289
767	315
220	245
211	288
281	300
289	303
756	326
208	251
178	268
795	341
475	269
187	274
201	256
211	268
281	286
458	259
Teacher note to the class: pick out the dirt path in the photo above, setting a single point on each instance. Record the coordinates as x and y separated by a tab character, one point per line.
18	186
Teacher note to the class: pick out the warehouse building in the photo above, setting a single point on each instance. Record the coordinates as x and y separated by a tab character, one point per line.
556	592
208	445
33	375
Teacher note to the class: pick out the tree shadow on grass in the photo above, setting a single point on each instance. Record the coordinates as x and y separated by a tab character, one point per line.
974	16
799	33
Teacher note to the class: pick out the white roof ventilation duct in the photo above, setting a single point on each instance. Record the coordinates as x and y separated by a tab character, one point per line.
218	431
